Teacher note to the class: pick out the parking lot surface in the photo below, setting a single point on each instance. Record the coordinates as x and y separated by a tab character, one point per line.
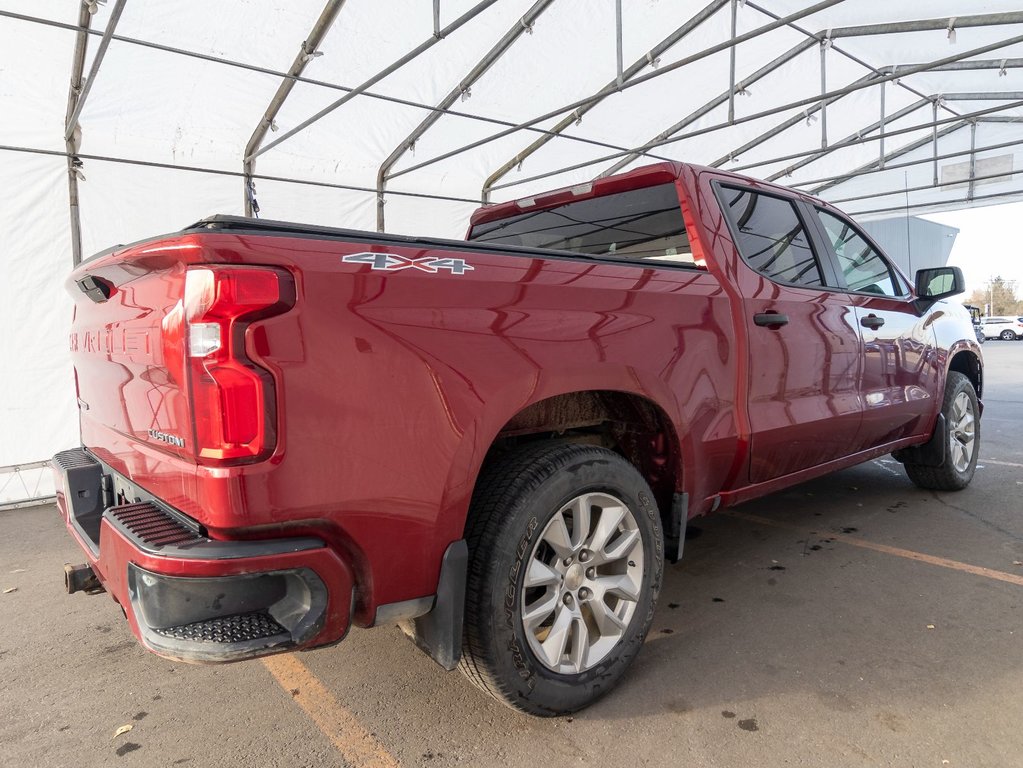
852	621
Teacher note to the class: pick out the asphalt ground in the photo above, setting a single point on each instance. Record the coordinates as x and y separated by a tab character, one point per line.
851	621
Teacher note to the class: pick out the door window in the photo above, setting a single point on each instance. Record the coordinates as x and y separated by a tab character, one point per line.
865	270
770	237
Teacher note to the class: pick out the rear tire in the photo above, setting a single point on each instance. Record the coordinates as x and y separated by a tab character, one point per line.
1008	335
962	439
566	557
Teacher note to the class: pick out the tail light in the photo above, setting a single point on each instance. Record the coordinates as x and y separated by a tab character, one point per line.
232	398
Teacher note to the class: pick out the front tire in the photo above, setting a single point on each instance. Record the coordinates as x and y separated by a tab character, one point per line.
962	439
566	557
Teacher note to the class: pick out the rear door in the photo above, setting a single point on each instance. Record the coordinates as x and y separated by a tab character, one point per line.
899	376
803	406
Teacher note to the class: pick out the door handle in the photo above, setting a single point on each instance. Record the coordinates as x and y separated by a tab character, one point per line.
770	319
873	322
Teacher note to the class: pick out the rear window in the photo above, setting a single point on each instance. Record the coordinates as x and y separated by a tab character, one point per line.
641	225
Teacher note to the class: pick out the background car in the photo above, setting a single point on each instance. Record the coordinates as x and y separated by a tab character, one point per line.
1005	328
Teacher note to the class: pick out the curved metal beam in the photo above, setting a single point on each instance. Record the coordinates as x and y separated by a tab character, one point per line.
507	40
858	135
711	105
976	20
426	45
612	87
305	54
702	54
774	110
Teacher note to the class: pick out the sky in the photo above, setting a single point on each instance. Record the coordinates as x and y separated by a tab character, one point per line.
988	244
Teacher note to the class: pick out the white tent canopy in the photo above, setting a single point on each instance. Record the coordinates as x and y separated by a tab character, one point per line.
406	114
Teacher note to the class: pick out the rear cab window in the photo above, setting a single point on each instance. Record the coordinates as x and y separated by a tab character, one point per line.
640	225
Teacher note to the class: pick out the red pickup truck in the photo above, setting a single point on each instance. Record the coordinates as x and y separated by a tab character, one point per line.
497	443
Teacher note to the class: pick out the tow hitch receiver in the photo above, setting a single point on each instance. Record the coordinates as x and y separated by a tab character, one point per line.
81	578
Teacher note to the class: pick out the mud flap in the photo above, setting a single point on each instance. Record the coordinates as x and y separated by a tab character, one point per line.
439	632
929	454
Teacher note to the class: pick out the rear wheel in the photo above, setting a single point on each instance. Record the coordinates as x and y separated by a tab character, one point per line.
1007	335
962	439
565	563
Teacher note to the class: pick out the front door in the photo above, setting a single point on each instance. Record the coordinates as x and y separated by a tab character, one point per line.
900	367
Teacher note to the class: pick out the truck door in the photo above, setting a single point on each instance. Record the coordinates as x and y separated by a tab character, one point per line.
899	376
804	360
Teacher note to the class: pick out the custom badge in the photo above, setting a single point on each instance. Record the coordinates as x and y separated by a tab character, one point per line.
392	262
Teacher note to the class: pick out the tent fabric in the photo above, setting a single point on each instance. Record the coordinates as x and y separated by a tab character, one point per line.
182	87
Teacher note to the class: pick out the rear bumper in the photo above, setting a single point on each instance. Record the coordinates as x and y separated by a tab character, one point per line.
192	598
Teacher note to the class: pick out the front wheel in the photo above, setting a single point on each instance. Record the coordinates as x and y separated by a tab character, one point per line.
962	439
565	564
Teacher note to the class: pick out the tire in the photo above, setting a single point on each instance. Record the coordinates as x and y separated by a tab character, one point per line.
962	439
1007	335
567	658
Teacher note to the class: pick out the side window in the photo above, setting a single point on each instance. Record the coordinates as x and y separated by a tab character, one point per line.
864	268
771	237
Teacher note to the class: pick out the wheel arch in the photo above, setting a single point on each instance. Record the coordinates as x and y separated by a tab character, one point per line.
633	424
967	362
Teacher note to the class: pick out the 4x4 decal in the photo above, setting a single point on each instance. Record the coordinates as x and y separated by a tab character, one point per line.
392	262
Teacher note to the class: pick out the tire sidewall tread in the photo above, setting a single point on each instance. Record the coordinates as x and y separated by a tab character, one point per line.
516	496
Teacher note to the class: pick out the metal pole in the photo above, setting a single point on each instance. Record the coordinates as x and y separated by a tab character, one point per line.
936	204
305	54
824	89
922	142
877	168
858	136
880	123
920	188
71	142
226	173
731	63
507	40
101	51
612	87
465	18
779	159
973	160
618	40
436	18
775	130
934	133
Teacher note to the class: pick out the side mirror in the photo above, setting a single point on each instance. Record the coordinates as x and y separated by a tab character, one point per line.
939	283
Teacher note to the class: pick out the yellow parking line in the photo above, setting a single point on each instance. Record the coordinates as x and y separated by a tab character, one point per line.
908	554
357	745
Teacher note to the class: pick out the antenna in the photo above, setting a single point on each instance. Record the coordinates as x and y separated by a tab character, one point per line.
909	241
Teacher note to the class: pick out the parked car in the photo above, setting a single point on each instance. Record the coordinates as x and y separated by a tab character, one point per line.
498	442
1004	328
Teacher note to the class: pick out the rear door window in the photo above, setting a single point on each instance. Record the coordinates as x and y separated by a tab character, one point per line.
643	225
770	236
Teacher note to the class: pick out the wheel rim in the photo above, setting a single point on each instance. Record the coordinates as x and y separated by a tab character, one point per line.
1008	336
962	432
582	583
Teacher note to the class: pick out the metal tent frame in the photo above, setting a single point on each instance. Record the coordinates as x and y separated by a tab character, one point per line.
944	119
